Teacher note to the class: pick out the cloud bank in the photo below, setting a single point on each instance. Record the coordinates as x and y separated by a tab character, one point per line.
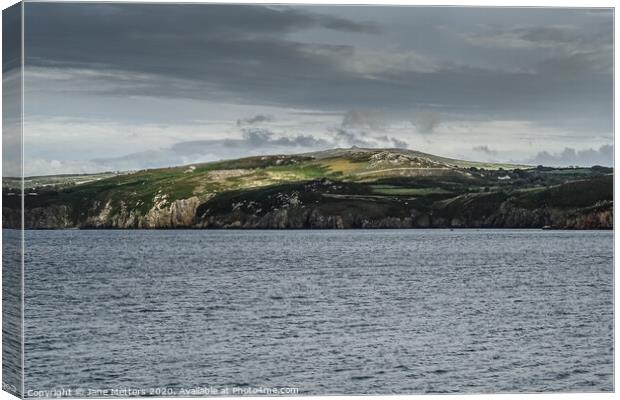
604	156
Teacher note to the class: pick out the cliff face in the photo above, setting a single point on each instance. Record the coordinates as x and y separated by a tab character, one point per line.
321	204
316	219
183	215
178	214
53	217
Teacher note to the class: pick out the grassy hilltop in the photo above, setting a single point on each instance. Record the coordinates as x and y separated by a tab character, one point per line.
340	188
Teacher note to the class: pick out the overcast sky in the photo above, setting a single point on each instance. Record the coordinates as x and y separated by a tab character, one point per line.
127	86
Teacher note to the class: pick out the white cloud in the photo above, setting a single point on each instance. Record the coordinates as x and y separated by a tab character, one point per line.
569	156
525	37
371	62
70	145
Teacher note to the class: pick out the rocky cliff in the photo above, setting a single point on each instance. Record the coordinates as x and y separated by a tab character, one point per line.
318	205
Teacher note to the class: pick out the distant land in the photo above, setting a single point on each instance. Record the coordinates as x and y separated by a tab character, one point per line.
333	189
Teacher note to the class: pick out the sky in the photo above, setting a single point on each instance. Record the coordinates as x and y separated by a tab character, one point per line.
129	86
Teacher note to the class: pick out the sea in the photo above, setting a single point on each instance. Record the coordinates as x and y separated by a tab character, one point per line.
317	312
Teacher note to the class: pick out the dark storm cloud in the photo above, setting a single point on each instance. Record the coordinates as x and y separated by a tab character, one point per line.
576	64
568	49
11	42
171	39
549	67
219	52
102	22
242	54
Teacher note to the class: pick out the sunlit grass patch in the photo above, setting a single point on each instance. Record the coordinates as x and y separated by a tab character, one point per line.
343	165
406	191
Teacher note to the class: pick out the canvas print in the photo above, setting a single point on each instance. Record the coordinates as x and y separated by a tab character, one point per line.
293	200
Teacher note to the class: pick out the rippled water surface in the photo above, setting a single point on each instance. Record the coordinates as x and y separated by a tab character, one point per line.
389	311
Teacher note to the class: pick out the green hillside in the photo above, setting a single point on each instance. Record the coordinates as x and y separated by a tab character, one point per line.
360	184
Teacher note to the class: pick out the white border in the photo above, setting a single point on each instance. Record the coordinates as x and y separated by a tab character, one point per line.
477	3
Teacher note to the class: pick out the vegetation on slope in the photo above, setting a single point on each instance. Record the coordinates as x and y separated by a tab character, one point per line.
334	188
